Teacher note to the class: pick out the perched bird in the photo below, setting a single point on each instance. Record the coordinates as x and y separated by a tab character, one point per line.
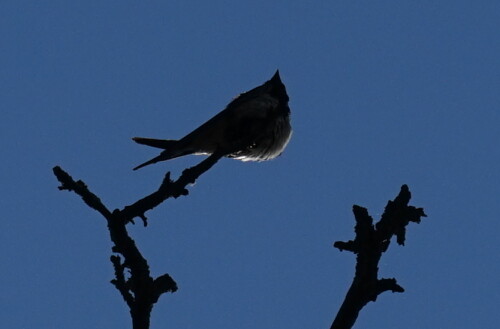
255	126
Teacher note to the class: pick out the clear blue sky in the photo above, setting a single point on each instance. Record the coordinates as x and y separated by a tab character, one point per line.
383	93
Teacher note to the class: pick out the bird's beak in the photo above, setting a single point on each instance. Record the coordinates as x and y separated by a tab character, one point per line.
276	77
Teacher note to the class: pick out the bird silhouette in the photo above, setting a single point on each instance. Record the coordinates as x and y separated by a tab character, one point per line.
255	126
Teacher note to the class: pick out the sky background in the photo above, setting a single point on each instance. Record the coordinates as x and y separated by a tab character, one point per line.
382	93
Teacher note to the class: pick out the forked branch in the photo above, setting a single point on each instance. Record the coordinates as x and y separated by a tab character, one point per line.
369	243
132	276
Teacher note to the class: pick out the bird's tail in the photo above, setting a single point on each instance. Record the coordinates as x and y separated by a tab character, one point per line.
172	149
159	143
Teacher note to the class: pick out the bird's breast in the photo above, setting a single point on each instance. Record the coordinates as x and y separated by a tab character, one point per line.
270	144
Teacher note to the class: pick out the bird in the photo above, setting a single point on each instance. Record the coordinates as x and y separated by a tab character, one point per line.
254	126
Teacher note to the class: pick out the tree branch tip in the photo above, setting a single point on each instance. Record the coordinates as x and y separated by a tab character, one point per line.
399	289
361	213
389	285
57	170
347	246
166	179
421	212
183	192
63	177
359	208
165	283
144	220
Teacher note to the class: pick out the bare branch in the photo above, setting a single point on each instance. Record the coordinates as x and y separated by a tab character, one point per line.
138	289
369	244
169	188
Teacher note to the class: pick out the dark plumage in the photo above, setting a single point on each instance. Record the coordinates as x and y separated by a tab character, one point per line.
255	126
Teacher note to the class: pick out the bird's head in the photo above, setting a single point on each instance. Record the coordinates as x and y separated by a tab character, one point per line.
276	88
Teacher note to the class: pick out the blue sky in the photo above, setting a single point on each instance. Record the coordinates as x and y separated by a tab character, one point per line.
382	94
